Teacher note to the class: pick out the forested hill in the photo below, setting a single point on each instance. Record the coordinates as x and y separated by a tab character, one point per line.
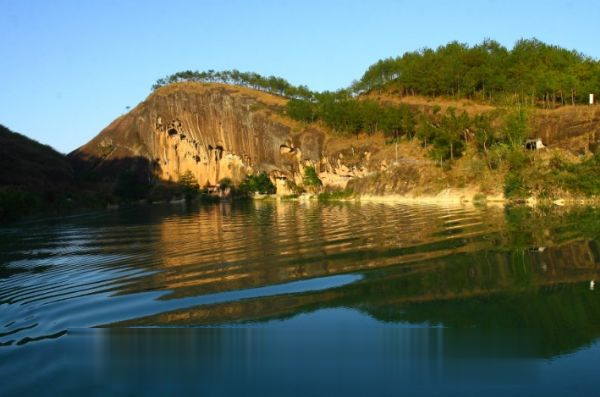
531	70
540	74
25	162
470	109
385	134
33	177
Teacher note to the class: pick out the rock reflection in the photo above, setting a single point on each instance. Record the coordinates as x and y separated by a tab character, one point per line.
545	296
226	248
456	268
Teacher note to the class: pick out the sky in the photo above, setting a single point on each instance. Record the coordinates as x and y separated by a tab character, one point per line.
68	68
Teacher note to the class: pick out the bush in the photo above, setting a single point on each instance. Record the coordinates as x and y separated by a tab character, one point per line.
301	110
517	127
188	187
581	178
336	195
225	183
514	185
311	179
554	178
260	183
162	192
516	159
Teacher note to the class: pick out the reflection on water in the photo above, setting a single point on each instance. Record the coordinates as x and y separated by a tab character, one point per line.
518	279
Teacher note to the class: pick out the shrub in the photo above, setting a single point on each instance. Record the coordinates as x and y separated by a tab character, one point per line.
162	192
260	183
225	183
311	179
516	159
581	178
514	185
336	195
188	186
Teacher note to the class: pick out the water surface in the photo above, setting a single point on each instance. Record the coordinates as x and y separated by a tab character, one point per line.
295	298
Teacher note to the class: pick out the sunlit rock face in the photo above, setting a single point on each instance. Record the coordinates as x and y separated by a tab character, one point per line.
218	131
213	131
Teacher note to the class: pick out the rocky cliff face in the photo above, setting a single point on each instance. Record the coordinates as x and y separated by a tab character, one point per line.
216	132
576	129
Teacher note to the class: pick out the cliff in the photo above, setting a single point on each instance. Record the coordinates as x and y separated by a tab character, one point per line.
219	131
214	131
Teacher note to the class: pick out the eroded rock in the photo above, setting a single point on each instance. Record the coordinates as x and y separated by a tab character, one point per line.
216	132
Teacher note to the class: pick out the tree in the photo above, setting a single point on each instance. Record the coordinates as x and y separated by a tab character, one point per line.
516	127
188	186
311	179
225	183
302	110
260	183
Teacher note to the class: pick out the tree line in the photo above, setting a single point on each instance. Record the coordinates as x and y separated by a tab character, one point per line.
345	114
271	84
444	134
534	72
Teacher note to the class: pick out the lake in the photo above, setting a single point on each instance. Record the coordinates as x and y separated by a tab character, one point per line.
271	298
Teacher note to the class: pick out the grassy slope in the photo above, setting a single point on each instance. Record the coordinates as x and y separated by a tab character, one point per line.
565	169
566	130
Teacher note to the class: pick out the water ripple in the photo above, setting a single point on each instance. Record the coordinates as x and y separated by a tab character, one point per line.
81	272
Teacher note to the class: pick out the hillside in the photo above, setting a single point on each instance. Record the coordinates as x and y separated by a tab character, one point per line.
25	162
575	128
218	131
213	130
33	177
450	122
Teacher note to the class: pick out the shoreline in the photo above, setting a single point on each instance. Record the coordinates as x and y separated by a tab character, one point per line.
448	198
455	197
445	197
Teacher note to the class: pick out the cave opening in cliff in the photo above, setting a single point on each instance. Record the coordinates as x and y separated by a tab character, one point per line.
172	132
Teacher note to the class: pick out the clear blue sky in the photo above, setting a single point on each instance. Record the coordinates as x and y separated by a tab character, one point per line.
68	68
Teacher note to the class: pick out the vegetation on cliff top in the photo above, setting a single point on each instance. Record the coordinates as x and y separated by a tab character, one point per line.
34	178
271	84
530	75
532	71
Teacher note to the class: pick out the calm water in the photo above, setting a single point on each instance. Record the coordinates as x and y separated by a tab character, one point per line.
302	299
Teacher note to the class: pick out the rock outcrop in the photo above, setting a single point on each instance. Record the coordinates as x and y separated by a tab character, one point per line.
219	131
212	130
